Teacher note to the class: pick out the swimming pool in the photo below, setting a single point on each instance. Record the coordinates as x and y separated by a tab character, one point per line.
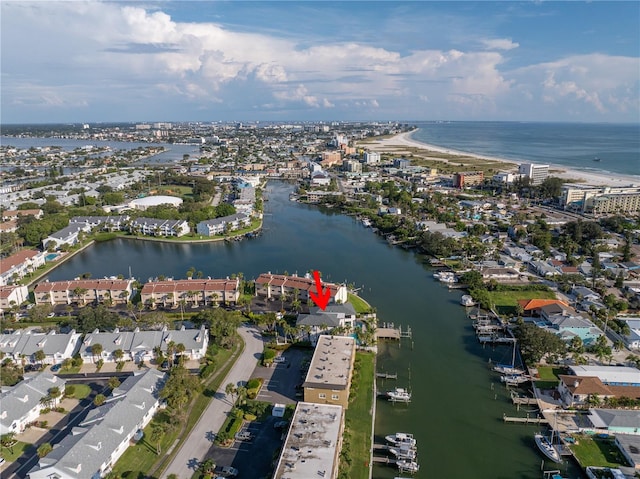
51	256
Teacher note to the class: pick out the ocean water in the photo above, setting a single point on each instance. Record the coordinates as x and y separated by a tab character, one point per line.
572	145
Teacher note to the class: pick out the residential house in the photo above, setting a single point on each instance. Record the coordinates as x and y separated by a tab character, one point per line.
109	223
92	448
22	345
21	404
615	421
13	215
328	380
158	227
276	285
12	296
566	323
320	178
632	340
193	292
218	226
320	321
629	445
576	391
66	236
83	291
500	274
18	265
141	345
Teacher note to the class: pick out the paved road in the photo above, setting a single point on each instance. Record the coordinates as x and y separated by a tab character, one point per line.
195	448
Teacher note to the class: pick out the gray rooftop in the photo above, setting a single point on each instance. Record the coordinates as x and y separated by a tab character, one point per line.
26	395
311	447
88	450
615	418
26	343
331	363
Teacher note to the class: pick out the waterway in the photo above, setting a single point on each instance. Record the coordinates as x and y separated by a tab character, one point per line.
455	413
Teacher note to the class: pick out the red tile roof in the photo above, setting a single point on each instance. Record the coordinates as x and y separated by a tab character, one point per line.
531	304
6	264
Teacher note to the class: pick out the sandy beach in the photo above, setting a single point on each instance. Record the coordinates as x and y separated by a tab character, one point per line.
404	140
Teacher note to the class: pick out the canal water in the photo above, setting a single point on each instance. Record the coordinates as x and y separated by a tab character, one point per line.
457	402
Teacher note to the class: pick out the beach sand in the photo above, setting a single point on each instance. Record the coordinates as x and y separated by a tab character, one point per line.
404	140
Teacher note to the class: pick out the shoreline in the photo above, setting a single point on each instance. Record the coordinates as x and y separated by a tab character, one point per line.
578	176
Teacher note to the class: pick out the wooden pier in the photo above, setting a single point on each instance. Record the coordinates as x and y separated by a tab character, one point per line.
524	420
387	375
516	399
389	331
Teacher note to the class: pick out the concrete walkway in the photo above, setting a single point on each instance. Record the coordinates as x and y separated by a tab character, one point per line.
196	446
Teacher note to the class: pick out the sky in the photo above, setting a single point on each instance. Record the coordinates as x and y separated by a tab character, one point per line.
92	61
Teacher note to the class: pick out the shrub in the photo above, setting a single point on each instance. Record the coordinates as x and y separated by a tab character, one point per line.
207	370
253	383
69	390
119	365
250	417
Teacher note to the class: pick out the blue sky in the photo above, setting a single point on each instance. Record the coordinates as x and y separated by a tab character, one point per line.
79	61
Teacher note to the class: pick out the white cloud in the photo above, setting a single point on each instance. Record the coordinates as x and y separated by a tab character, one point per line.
499	44
86	54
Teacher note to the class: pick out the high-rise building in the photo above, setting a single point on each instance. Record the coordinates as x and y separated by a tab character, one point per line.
536	173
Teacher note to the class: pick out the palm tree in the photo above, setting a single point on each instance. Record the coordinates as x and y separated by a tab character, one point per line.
39	356
180	349
96	350
231	390
157	433
54	394
118	354
171	349
44	449
8	440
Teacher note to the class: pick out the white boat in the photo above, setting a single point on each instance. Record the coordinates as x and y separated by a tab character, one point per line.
467	300
446	277
399	395
515	379
408	466
366	222
401	438
510	369
545	444
403	451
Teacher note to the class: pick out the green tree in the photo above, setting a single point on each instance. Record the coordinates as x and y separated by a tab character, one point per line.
44	449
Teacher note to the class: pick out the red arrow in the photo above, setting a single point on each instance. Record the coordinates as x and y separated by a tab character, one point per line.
322	298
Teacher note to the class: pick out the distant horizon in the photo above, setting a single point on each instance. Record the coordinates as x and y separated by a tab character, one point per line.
111	61
127	122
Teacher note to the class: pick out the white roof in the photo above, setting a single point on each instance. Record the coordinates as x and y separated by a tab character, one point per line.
156	200
609	374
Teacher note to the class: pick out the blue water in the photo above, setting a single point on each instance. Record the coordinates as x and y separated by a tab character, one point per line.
572	145
51	256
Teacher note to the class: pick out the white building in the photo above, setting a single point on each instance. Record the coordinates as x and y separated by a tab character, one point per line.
149	201
217	226
12	296
22	345
92	448
21	404
537	173
371	157
18	265
157	227
68	235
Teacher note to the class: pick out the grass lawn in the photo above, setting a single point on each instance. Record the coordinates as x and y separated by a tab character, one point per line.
550	373
359	304
506	301
19	449
595	451
82	391
143	455
355	457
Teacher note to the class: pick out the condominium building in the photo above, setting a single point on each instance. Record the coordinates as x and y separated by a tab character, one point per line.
276	285
600	200
218	226
328	379
18	265
371	157
157	227
192	291
313	443
84	291
536	173
468	178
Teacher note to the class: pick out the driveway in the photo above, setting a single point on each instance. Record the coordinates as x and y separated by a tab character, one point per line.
281	380
196	446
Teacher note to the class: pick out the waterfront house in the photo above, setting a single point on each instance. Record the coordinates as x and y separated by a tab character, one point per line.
533	306
576	390
66	236
12	296
83	291
158	227
218	226
141	345
328	380
22	344
500	274
629	445
193	292
321	321
632	340
610	375
18	265
566	323
272	286
93	447
614	421
21	404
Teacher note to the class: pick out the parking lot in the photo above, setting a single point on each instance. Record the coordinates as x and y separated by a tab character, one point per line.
255	458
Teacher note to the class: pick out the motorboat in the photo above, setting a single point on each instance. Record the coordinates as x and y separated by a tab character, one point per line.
408	466
446	277
399	395
403	451
545	444
467	300
400	439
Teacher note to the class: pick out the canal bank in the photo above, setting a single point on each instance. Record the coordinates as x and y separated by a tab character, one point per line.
457	403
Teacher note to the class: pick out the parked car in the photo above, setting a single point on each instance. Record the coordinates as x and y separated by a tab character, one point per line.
56	367
225	471
281	424
279	359
244	436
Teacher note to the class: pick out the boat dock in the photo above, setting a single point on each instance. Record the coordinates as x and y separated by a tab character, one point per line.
517	399
390	331
524	420
387	375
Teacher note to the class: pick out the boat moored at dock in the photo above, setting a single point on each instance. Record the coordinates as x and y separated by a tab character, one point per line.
545	444
401	438
399	395
408	466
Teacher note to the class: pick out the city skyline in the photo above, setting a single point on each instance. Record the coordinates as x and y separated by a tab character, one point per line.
319	61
